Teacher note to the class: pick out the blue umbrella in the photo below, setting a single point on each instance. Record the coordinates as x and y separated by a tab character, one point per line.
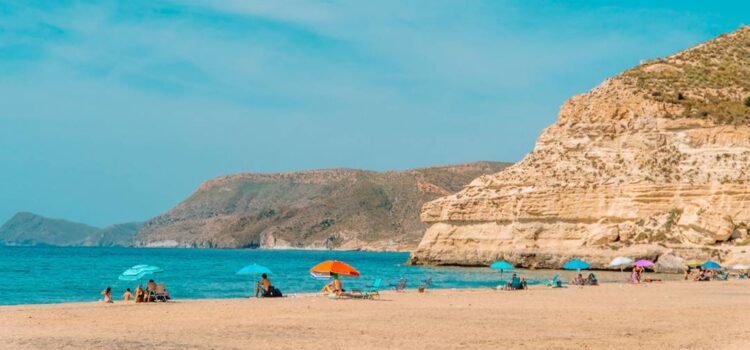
711	265
576	265
137	272
501	265
254	269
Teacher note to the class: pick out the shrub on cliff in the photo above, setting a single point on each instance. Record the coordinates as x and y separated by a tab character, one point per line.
747	101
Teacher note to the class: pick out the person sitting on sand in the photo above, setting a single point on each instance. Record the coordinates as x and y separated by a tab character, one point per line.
591	280
139	294
127	295
703	276
334	287
578	280
107	293
264	286
151	286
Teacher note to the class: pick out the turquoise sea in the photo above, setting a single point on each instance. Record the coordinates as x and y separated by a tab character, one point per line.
35	275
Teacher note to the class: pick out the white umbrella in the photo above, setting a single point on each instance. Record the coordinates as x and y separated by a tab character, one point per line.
621	261
741	267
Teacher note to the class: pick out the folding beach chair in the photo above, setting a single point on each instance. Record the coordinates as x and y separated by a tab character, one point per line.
370	293
159	293
401	286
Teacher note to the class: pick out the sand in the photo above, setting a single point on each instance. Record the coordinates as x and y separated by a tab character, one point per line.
672	315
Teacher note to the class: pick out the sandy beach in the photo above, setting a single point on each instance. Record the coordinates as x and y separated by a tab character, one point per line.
673	315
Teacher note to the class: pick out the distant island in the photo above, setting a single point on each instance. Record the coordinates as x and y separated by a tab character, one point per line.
26	229
345	209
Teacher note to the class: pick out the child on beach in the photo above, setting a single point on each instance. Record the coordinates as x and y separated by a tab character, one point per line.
139	294
127	295
107	293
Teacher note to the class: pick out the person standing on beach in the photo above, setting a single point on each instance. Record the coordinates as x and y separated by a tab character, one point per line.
634	277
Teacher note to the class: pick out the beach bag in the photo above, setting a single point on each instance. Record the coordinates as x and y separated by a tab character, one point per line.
275	292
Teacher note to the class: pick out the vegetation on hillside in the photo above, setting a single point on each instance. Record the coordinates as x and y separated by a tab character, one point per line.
709	81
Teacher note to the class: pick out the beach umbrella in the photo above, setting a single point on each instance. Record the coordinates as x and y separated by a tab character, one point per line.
254	269
502	266
711	265
644	263
333	267
621	262
576	264
741	267
137	272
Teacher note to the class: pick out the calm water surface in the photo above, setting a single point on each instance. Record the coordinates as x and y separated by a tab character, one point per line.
31	275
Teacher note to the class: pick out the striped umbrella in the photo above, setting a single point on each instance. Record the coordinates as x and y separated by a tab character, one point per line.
137	272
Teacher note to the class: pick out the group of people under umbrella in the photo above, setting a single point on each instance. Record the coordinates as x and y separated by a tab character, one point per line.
333	269
330	269
518	282
708	270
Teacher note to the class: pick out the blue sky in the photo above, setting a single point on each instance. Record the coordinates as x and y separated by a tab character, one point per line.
115	111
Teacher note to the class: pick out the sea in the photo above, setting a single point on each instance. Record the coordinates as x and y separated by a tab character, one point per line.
43	274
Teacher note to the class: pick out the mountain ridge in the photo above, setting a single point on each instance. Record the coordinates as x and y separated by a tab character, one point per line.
29	229
311	209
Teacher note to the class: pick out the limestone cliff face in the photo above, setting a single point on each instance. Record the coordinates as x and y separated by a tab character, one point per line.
651	163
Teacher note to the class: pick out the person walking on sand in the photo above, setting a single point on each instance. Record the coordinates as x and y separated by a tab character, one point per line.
107	293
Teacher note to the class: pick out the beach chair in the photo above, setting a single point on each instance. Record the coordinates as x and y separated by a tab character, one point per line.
555	282
159	293
401	286
515	283
370	293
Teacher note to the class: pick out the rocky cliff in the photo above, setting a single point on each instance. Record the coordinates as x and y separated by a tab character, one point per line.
317	209
30	229
653	163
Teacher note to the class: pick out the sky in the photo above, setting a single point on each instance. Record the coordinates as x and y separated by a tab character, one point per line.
114	111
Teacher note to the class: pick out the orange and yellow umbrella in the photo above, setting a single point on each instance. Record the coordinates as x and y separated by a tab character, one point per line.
331	267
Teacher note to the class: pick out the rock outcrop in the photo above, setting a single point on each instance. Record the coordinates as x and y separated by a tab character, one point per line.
317	209
652	163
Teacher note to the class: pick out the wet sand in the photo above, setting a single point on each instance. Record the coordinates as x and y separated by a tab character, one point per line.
670	315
